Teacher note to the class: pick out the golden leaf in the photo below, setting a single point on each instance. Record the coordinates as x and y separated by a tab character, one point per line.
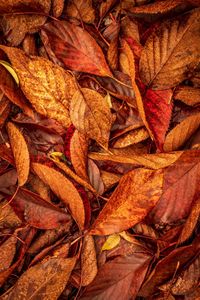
91	115
20	153
111	242
45	280
64	189
81	9
137	193
171	51
181	133
132	137
78	154
47	86
88	261
57	7
188	95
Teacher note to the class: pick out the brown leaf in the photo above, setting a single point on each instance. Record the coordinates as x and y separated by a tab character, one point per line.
44	281
81	9
74	47
37	212
119	277
78	154
20	153
8	218
109	179
188	95
113	55
191	222
64	189
91	115
137	193
57	7
15	27
7	252
167	266
95	177
41	78
88	261
181	185
158	7
171	51
105	6
4	109
181	133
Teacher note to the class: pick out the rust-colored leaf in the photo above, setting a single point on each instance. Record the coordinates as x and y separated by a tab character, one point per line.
91	115
46	280
41	78
81	9
7	252
88	261
20	152
188	95
163	63
76	48
138	192
64	189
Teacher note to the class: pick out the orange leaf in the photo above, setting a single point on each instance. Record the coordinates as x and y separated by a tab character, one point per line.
20	152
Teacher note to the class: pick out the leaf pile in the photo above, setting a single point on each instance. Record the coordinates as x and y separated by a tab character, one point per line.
99	149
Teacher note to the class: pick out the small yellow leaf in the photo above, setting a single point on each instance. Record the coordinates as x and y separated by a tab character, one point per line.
111	242
9	68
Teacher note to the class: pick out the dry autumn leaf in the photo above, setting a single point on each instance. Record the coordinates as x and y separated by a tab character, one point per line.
41	78
20	153
164	63
64	189
81	9
98	122
131	201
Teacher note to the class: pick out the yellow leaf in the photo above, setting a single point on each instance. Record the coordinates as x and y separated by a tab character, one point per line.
111	242
10	70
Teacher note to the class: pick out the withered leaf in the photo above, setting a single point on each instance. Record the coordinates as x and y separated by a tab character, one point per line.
64	189
95	177
7	252
76	48
20	152
132	137
88	261
123	273
188	95
158	7
15	27
81	9
78	153
111	242
44	281
181	133
91	115
37	212
171	51
57	7
152	161
138	192
181	185
43	80
8	218
167	266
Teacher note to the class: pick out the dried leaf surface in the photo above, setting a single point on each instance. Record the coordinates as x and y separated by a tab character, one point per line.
91	115
20	153
163	63
138	192
64	189
81	9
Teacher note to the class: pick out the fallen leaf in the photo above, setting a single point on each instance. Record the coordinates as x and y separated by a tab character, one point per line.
9	68
41	78
46	280
111	242
181	133
163	63
88	261
132	137
188	95
95	177
158	7
20	153
98	122
7	252
76	48
78	152
57	7
81	9
64	189
137	193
